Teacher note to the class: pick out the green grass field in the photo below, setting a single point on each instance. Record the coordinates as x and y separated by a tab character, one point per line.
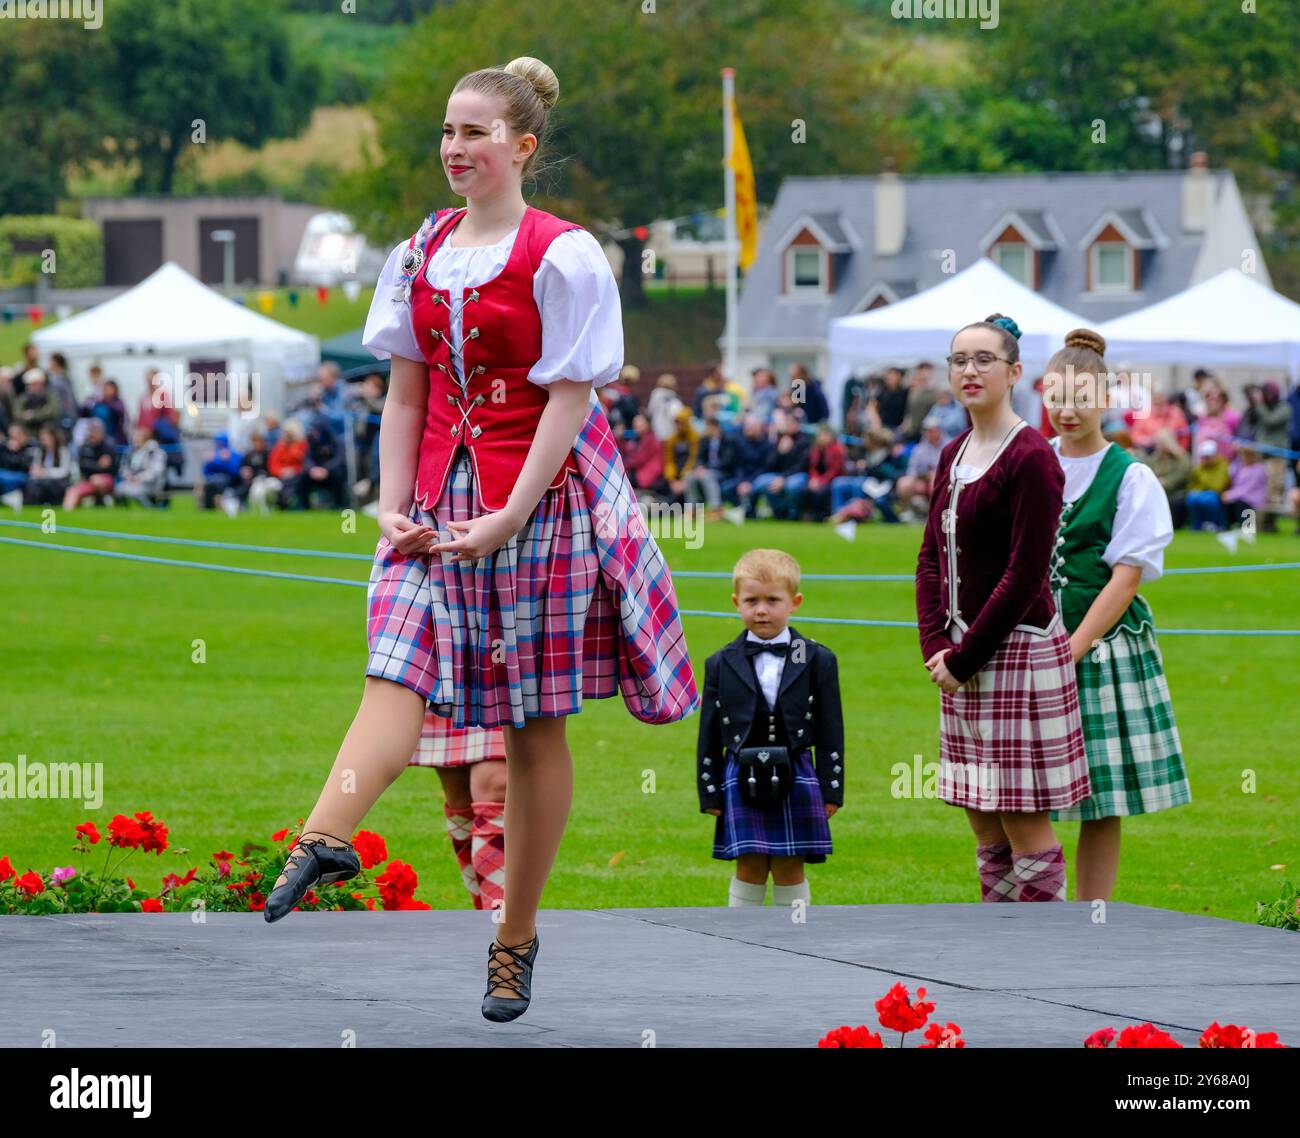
96	656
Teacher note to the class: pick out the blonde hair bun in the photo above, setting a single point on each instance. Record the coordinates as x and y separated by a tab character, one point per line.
540	77
1086	338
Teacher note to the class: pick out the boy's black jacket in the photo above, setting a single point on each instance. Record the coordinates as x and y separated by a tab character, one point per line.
808	702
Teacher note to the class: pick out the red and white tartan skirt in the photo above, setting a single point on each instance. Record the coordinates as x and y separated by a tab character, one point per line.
510	636
442	745
1011	737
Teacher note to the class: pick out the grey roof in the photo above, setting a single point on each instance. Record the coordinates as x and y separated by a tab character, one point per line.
1036	221
954	212
831	224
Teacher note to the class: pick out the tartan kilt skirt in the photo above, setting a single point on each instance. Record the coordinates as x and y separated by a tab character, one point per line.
527	631
1135	759
1011	737
796	826
442	745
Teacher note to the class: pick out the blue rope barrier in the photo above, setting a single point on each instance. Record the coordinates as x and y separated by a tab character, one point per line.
833	620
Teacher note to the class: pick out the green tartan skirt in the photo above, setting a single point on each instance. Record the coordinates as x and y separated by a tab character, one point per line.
1135	760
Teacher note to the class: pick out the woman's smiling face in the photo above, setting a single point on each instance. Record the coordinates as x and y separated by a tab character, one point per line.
973	388
479	151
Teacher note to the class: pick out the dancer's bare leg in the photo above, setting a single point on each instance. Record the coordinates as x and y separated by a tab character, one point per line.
540	791
375	751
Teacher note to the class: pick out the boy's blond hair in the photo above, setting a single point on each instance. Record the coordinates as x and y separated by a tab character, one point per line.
767	565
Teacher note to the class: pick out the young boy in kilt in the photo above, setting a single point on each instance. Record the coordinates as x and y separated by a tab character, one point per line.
1115	526
771	702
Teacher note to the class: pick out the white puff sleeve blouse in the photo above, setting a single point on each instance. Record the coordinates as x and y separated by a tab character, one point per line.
575	293
1143	526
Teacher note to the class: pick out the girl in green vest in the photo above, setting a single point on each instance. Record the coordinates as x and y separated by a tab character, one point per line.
1115	524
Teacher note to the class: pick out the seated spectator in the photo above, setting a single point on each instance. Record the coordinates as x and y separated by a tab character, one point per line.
37	406
921	396
718	399
324	471
1162	415
48	478
1220	422
786	405
60	385
807	393
16	458
253	473
888	407
220	472
754	451
869	479
620	403
825	464
951	414
663	405
109	408
144	476
1248	485
786	477
716	462
643	458
762	399
284	464
97	462
681	452
1173	468
1205	487
156	403
7	397
1269	419
916	486
271	428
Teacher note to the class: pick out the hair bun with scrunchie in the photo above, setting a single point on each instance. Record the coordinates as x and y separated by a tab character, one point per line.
1086	338
1004	322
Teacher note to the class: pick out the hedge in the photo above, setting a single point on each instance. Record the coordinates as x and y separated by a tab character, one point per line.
78	248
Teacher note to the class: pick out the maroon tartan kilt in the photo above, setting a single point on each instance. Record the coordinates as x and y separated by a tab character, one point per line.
1011	738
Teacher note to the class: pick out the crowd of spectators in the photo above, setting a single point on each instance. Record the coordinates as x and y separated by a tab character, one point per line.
60	451
772	451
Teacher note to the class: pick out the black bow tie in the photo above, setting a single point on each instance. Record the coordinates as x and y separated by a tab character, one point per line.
754	647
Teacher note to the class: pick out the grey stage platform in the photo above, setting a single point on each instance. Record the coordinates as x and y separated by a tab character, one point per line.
1036	975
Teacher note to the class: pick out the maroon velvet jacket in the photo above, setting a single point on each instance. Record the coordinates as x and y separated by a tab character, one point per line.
1005	531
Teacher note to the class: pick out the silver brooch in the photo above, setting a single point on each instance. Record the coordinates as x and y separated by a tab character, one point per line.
412	259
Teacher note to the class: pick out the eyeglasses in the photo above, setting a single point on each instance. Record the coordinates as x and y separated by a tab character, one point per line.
984	361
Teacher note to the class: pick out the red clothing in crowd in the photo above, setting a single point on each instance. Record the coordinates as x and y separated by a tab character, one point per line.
825	464
287	457
644	460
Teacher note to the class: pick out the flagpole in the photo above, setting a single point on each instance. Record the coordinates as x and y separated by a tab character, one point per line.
728	144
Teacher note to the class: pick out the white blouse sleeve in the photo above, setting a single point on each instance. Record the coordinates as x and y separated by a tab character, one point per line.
1143	525
389	331
582	318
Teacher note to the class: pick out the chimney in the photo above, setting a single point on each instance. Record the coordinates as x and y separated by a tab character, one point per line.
891	212
1196	194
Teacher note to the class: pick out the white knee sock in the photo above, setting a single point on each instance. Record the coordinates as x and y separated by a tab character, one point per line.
746	893
785	894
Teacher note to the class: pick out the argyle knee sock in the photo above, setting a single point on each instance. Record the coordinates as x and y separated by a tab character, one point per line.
785	895
459	828
744	893
1041	875
489	846
997	875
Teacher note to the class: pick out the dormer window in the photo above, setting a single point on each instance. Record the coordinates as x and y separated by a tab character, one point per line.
1116	247
1112	266
1019	244
1015	260
806	269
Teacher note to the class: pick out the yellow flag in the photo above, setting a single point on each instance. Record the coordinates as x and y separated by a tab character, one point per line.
266	301
746	201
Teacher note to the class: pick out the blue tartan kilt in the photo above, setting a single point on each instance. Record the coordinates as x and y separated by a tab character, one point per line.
796	826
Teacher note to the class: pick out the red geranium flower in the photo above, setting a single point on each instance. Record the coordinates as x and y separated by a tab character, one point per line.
90	831
860	1036
1146	1035
130	883
222	858
1230	1035
898	1013
411	903
30	883
154	834
370	847
171	881
396	884
1102	1038
280	835
310	897
6	870
945	1035
125	832
151	905
256	902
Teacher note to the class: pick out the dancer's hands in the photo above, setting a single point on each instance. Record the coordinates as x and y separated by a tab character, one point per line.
939	672
407	537
830	808
479	536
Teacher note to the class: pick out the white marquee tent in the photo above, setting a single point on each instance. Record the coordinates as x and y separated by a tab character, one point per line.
171	321
1230	320
922	326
